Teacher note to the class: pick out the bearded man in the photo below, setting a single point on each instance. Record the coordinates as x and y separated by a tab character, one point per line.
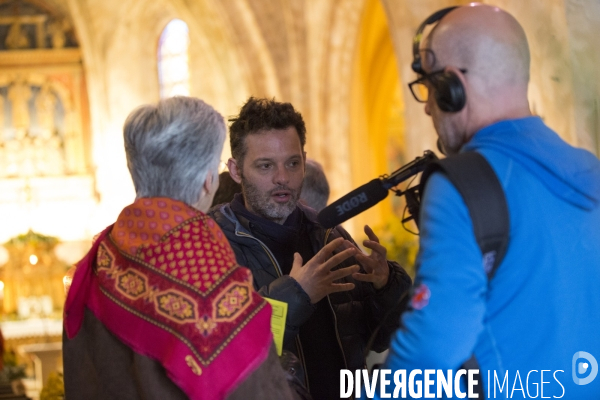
337	296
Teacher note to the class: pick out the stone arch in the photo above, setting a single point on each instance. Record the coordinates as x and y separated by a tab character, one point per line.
376	110
551	93
119	41
331	142
350	149
254	52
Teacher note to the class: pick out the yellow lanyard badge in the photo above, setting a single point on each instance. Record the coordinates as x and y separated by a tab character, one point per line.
278	322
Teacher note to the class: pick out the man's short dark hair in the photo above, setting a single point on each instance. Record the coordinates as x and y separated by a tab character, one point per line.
265	114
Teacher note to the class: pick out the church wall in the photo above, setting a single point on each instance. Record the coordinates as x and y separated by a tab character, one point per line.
560	52
564	53
376	141
551	92
310	46
583	19
121	39
302	51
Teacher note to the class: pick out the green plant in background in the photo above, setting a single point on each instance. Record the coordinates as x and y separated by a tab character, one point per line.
11	370
54	388
402	246
33	238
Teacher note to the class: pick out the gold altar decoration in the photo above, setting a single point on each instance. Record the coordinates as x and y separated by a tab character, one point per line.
45	140
32	277
44	122
42	113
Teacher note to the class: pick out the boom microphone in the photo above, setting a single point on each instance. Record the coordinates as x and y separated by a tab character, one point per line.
368	195
353	203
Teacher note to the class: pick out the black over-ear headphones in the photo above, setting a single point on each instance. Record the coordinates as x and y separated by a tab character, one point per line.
449	92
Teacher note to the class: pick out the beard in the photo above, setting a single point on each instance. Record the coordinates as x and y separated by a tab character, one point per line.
263	204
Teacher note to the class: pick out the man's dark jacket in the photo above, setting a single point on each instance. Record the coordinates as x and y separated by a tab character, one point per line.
357	313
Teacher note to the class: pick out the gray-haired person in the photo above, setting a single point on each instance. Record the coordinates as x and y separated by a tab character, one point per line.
315	191
159	308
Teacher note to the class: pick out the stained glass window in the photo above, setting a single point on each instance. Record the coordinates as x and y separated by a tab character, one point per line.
173	61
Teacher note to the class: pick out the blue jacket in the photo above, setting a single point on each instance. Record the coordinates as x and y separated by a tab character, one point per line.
543	304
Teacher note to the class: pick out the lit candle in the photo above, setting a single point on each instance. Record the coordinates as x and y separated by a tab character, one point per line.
68	278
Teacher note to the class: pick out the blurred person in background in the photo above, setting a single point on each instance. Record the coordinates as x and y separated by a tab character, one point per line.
315	191
227	189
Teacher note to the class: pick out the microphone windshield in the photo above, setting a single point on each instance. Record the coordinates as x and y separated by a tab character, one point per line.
353	203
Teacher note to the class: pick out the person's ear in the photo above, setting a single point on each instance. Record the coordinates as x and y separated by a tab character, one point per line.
209	188
459	74
449	90
234	170
211	183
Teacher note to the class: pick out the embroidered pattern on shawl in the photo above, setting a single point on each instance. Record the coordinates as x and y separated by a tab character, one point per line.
171	267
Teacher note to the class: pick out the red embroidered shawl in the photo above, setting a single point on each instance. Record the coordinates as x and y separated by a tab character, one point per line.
165	281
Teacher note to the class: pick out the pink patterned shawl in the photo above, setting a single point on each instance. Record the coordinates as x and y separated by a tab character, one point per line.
165	281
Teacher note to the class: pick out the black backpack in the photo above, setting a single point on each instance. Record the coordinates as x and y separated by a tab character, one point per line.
482	192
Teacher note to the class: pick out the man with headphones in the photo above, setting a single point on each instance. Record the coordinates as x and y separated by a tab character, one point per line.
533	327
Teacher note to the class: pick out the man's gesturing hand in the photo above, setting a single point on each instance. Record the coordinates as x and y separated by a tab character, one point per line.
316	277
376	264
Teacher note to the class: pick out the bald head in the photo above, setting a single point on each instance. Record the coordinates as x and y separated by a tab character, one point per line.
480	56
486	41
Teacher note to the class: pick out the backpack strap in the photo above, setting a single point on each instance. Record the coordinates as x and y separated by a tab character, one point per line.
482	192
